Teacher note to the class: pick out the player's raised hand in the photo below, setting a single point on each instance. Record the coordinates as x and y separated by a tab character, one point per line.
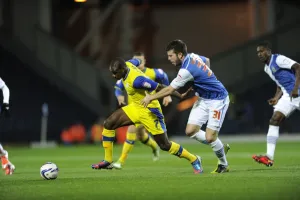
273	101
121	100
146	100
5	110
186	93
167	100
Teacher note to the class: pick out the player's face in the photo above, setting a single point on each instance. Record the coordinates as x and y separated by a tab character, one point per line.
173	58
263	54
143	59
118	73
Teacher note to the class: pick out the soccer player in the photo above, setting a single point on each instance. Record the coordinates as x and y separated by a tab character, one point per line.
285	72
212	105
159	76
151	117
7	166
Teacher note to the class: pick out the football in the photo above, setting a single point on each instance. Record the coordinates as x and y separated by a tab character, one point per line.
49	171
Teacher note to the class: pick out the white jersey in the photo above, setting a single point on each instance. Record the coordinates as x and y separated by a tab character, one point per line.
280	71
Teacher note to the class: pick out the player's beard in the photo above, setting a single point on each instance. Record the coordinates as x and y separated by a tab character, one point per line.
178	62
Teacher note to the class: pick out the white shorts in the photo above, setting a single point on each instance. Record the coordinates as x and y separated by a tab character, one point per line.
213	111
287	106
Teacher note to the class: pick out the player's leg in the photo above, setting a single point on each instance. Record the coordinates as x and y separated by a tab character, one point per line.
7	166
153	121
201	113
146	139
127	146
281	111
177	150
118	119
217	112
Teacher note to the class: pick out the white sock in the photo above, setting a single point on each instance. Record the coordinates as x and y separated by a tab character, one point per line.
218	148
272	136
200	137
2	151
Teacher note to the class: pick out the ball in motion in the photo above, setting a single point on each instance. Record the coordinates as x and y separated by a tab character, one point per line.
49	171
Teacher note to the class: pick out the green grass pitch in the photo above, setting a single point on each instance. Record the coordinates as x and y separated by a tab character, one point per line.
141	178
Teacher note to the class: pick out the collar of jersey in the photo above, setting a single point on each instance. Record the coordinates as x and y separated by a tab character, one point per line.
269	65
187	56
126	74
144	70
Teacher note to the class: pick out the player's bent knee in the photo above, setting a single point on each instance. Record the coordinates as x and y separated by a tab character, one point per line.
191	129
164	146
108	124
132	129
276	119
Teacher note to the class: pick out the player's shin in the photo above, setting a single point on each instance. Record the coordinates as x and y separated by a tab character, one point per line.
272	137
218	147
178	150
127	146
200	137
149	141
108	137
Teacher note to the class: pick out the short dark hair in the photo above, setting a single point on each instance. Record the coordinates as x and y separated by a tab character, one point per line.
178	46
265	44
138	53
117	64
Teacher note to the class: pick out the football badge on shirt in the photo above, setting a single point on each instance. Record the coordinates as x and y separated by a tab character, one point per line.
273	69
147	85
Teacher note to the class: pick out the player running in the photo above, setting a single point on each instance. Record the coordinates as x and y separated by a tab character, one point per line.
157	75
212	105
7	166
285	72
151	117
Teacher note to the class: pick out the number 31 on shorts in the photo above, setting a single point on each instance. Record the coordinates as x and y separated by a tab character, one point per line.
217	114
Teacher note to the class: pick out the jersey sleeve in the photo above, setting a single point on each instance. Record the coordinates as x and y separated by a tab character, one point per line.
136	62
145	83
161	77
2	83
284	62
203	58
182	78
119	88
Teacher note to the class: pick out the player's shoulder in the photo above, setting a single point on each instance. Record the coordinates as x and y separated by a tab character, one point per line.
159	70
280	59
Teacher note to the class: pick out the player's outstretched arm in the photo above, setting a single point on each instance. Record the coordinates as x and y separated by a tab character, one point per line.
162	78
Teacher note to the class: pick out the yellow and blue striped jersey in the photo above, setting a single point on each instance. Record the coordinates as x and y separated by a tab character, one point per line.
136	82
157	75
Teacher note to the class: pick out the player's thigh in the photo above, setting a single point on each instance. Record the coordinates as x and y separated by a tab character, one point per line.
285	106
132	112
153	121
117	119
199	114
217	112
